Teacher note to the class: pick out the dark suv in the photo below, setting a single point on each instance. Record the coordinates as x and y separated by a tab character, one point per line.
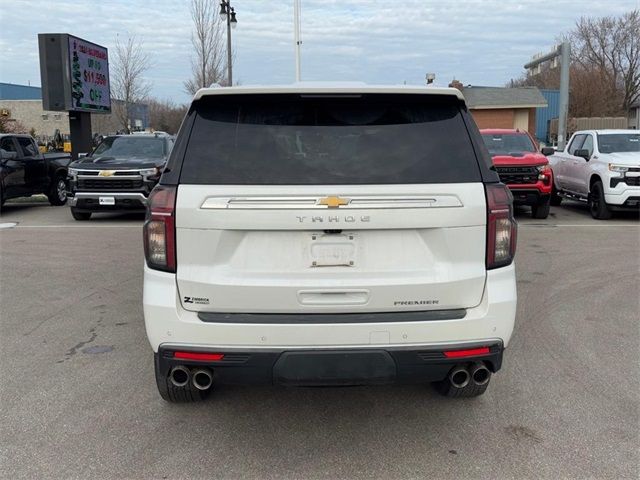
118	175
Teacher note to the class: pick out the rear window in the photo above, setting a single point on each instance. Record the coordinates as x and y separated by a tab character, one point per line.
619	142
306	140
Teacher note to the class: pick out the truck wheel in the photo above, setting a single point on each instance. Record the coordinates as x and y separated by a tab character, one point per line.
540	210
556	199
598	207
78	215
58	193
470	389
170	393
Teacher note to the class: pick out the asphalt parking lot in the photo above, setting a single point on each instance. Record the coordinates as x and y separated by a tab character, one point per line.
78	396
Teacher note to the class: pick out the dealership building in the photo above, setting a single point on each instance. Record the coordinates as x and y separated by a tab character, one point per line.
23	104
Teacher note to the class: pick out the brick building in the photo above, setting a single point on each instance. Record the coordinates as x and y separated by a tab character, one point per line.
23	104
497	107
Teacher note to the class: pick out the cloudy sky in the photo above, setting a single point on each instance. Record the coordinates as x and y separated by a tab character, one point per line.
480	42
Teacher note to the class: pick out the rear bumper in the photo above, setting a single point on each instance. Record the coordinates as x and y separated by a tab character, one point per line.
331	367
90	201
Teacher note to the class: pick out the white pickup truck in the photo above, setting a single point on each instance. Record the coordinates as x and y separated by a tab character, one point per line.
601	167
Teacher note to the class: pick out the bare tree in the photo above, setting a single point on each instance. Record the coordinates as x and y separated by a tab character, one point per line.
605	67
165	115
611	45
11	125
128	85
590	95
209	61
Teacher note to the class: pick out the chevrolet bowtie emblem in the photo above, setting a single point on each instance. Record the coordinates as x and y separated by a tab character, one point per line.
333	202
106	173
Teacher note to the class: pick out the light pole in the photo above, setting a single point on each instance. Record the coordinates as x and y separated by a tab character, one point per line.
296	35
229	14
564	52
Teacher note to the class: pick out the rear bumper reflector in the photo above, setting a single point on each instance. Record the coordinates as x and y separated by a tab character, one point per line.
466	353
211	357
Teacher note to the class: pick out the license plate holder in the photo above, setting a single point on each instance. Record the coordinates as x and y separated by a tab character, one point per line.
333	250
106	200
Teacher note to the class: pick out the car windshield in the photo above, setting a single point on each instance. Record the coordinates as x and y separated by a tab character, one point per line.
619	142
508	143
280	140
130	146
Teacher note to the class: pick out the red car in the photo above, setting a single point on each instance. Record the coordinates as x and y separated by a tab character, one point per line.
522	167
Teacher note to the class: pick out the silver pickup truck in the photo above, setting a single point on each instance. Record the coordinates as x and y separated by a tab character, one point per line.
601	167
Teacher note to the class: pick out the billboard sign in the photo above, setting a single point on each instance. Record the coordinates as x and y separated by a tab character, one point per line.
74	74
89	76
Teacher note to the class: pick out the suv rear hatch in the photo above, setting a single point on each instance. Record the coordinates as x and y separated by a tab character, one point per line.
352	203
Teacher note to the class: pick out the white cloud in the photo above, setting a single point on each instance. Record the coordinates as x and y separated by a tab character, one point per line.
477	41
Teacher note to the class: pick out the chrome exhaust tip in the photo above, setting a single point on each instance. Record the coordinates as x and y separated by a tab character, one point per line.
480	374
459	377
179	376
202	378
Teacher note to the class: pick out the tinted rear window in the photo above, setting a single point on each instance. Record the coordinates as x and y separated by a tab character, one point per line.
306	140
619	142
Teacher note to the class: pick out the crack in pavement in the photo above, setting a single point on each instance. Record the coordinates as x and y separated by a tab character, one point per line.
73	350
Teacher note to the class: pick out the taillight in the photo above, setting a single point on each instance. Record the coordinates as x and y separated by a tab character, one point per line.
501	226
159	229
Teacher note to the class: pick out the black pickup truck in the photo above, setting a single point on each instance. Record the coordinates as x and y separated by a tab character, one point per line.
24	171
118	175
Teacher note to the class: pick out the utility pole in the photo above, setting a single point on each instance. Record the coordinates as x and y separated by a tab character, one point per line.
564	52
229	14
296	35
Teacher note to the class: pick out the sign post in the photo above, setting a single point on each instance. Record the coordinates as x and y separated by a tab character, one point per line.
75	78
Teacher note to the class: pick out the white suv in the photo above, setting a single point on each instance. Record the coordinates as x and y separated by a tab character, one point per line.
328	235
601	167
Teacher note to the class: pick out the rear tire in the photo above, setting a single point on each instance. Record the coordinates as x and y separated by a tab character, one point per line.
556	199
80	216
597	205
58	194
172	394
541	210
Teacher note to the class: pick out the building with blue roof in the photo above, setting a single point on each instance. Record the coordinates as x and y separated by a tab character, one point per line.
11	91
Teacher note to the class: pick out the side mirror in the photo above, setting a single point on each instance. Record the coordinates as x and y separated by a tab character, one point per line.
82	155
584	153
546	151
